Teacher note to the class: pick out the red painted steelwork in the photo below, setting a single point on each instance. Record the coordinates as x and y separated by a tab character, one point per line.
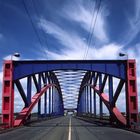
8	94
131	94
24	114
114	110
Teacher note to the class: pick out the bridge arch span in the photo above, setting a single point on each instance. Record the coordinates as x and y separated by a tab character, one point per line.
125	70
24	114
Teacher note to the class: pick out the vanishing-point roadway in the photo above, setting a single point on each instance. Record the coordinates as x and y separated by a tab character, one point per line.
67	128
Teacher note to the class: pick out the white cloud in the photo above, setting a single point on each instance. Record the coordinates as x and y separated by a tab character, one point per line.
83	15
71	41
134	23
137	8
109	51
75	46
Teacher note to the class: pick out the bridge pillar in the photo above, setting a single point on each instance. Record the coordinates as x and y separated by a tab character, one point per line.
131	94
84	100
94	95
29	89
52	100
82	103
45	103
94	98
29	92
45	96
90	97
39	102
110	85
87	93
101	103
8	94
49	101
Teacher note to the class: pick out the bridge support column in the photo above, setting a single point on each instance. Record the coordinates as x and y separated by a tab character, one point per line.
94	94
8	95
85	102
90	101
29	91
49	96
45	103
80	106
87	93
94	98
52	100
110	95
45	95
131	94
82	103
39	102
101	103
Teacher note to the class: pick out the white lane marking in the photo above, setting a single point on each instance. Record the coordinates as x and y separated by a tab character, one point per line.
69	136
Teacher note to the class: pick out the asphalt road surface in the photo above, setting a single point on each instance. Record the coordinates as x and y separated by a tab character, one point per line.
67	128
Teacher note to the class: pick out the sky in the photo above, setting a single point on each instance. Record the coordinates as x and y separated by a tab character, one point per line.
61	29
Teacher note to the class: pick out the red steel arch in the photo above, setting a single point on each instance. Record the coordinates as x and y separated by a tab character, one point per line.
123	69
24	114
91	79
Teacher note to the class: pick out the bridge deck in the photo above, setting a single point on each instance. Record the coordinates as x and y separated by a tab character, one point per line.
67	128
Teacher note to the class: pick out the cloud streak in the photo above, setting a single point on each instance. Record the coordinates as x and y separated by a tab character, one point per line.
85	17
75	49
75	45
133	24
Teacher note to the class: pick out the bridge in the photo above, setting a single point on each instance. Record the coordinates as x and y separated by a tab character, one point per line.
82	87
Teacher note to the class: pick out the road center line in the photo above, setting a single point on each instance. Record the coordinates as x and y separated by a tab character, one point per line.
69	136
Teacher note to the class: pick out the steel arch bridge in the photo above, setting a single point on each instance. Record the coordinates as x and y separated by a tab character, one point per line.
47	76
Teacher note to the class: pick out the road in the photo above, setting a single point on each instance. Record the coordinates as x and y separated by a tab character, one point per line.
67	128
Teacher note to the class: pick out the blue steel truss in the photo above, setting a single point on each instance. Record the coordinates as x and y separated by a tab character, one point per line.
95	74
116	68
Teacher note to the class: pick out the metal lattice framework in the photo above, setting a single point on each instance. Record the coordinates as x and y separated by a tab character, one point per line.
66	82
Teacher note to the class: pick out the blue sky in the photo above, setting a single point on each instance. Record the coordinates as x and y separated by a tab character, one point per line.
63	27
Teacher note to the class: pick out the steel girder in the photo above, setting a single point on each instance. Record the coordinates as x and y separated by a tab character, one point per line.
116	68
97	82
24	114
45	83
125	70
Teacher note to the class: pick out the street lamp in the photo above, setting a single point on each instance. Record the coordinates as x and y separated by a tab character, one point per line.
17	55
123	54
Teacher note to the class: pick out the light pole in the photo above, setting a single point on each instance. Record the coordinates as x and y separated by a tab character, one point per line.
123	54
15	55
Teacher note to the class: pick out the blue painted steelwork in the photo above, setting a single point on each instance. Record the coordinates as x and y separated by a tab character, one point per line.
100	100
90	97
97	81
94	97
110	89
29	89
85	106
112	67
45	96
39	102
52	100
93	83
